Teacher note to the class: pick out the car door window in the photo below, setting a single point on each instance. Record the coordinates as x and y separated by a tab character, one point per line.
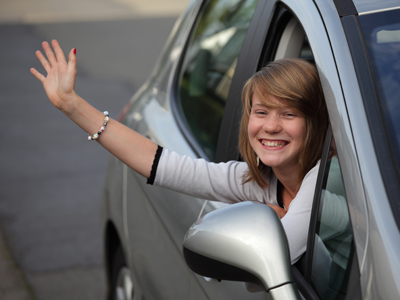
333	235
208	67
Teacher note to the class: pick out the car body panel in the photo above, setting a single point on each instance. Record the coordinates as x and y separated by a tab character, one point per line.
374	191
157	219
353	107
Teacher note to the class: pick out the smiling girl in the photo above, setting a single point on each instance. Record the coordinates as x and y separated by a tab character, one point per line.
281	138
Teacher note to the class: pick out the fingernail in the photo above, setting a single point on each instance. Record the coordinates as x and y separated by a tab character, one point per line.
74	50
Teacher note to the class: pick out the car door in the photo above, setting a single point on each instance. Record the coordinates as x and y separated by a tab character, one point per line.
194	94
296	29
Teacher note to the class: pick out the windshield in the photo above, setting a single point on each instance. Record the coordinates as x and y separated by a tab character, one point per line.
382	35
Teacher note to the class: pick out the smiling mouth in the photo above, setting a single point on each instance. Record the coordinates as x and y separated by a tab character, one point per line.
274	143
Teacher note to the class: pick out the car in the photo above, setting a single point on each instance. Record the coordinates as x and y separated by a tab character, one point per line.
191	105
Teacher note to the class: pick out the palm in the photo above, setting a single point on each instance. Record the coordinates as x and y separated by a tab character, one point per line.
59	83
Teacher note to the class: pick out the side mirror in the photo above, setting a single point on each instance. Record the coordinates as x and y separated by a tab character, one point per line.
242	242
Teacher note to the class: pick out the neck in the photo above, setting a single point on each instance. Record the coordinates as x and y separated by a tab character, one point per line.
289	177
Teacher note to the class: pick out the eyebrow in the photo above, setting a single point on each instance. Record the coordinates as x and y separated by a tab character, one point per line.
262	105
259	105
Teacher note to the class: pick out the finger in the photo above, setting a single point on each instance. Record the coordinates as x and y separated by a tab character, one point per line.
37	74
72	59
59	53
46	65
72	64
49	53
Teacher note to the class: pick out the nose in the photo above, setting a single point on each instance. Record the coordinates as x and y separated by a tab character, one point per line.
272	124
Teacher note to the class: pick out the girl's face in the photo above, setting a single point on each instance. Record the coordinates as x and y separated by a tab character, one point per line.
276	133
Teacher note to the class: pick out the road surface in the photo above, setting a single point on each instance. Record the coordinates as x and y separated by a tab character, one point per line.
51	177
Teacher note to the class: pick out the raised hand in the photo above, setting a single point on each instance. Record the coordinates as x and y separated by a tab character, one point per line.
127	145
59	83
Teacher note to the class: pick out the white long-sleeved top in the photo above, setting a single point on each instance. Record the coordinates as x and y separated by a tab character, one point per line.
223	182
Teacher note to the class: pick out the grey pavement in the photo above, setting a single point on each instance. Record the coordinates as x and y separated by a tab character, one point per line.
51	176
13	285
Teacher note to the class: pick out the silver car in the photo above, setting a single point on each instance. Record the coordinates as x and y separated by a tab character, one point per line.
191	105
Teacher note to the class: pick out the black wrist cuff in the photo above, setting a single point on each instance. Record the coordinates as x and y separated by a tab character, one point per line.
154	167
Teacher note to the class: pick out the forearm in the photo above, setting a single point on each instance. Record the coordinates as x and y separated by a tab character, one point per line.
130	147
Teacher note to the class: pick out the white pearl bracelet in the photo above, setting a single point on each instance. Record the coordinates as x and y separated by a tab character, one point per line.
102	128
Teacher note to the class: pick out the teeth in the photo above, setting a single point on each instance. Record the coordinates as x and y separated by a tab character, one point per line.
273	144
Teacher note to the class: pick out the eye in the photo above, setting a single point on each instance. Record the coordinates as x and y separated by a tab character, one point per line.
258	111
290	114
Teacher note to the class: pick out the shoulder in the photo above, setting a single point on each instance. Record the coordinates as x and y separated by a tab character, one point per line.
313	172
310	179
307	188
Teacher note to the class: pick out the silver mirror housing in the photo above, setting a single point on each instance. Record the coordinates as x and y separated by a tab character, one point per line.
242	242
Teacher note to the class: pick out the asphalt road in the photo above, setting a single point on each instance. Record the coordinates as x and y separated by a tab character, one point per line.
51	176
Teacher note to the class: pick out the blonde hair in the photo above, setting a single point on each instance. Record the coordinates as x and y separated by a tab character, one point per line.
295	82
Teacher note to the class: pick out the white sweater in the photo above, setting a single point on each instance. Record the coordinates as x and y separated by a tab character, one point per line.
223	182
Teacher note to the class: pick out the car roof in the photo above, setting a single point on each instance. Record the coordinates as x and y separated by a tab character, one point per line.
371	6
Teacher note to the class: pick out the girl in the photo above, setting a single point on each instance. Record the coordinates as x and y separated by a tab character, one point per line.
281	138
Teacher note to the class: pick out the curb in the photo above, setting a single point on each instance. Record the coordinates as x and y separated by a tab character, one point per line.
13	285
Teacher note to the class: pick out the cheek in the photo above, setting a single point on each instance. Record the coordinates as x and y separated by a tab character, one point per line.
249	129
300	131
252	128
251	133
304	129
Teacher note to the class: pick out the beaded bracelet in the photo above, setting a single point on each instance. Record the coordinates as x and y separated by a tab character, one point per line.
102	128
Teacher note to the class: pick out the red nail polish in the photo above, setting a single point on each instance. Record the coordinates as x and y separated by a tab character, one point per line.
74	50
